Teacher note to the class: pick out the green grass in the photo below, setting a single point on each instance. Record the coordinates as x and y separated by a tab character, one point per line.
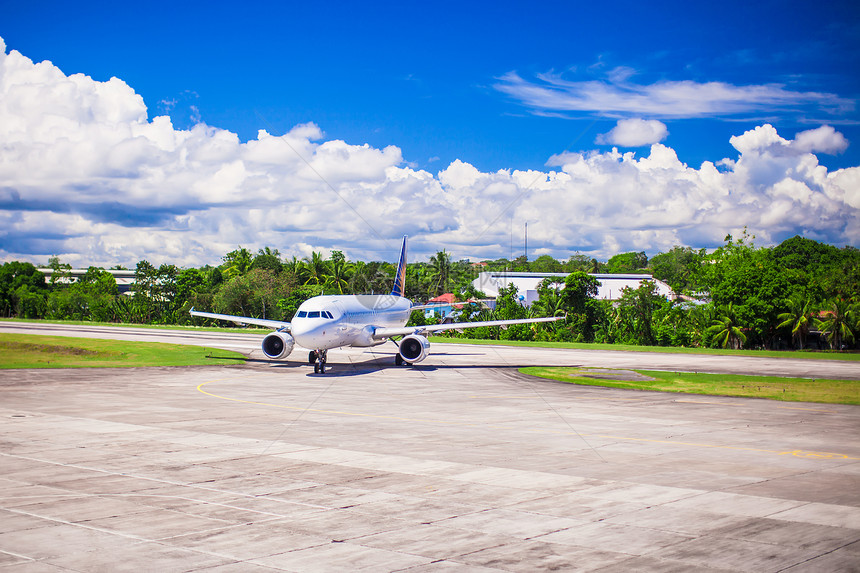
809	354
236	329
815	355
769	387
32	351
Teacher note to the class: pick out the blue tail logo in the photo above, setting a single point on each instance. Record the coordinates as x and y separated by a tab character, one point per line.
400	277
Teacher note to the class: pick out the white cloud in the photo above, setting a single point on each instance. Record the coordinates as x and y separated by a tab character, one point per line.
617	96
825	139
87	175
634	132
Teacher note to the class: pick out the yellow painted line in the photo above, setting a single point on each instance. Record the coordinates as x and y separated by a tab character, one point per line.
735	404
577	398
707	402
532	397
796	453
807	409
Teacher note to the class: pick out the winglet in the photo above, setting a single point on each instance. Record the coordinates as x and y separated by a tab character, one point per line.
400	278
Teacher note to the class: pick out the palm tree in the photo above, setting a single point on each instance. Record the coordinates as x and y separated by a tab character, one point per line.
340	272
440	272
314	270
840	315
726	330
798	318
701	318
550	302
293	266
238	262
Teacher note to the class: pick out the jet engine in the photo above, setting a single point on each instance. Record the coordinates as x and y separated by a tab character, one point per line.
278	345
413	348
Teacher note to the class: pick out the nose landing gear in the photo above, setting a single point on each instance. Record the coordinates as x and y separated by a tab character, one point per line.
318	359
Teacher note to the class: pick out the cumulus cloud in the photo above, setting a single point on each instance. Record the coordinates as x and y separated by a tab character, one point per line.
85	173
634	133
619	96
825	139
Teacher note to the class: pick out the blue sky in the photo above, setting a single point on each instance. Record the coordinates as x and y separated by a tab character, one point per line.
422	77
494	85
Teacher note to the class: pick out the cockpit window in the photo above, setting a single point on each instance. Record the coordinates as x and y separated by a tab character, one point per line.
327	314
302	314
314	314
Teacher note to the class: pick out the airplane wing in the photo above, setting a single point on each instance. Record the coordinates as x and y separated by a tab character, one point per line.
273	324
428	305
406	330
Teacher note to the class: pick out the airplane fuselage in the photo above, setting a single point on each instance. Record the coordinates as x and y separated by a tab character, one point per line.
331	321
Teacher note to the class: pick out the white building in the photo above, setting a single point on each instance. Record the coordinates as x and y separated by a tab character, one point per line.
610	288
124	278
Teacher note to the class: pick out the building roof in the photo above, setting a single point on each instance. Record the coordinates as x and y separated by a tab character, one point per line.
610	288
448	298
124	278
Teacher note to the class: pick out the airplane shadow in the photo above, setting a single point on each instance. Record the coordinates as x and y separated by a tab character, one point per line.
345	370
340	370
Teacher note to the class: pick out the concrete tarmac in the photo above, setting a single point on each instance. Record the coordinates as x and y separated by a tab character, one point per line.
458	464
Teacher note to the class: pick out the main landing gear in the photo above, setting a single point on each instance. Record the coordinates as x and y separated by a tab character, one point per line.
318	359
398	359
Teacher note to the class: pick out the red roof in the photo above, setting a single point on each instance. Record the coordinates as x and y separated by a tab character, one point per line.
448	298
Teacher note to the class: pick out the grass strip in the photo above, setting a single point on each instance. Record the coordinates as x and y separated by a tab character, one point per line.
807	354
802	354
34	351
769	387
250	329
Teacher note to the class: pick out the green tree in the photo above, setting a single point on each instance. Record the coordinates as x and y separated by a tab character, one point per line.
578	294
580	262
752	282
418	282
639	305
155	293
798	319
550	303
838	319
289	305
608	328
188	283
256	294
60	271
267	258
678	268
90	298
373	278
237	262
23	291
440	273
700	319
627	263
314	270
293	266
508	307
726	329
673	324
546	264
340	271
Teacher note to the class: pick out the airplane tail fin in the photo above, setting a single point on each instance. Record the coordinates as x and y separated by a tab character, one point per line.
400	278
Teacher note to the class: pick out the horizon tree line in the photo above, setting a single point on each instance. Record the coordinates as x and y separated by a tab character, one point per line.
739	296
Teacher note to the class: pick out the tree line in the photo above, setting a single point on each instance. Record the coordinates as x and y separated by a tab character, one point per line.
798	294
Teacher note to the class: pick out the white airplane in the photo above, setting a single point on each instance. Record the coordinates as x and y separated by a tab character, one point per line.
332	321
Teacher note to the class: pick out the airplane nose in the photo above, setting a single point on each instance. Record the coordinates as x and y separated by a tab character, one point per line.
311	335
301	330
